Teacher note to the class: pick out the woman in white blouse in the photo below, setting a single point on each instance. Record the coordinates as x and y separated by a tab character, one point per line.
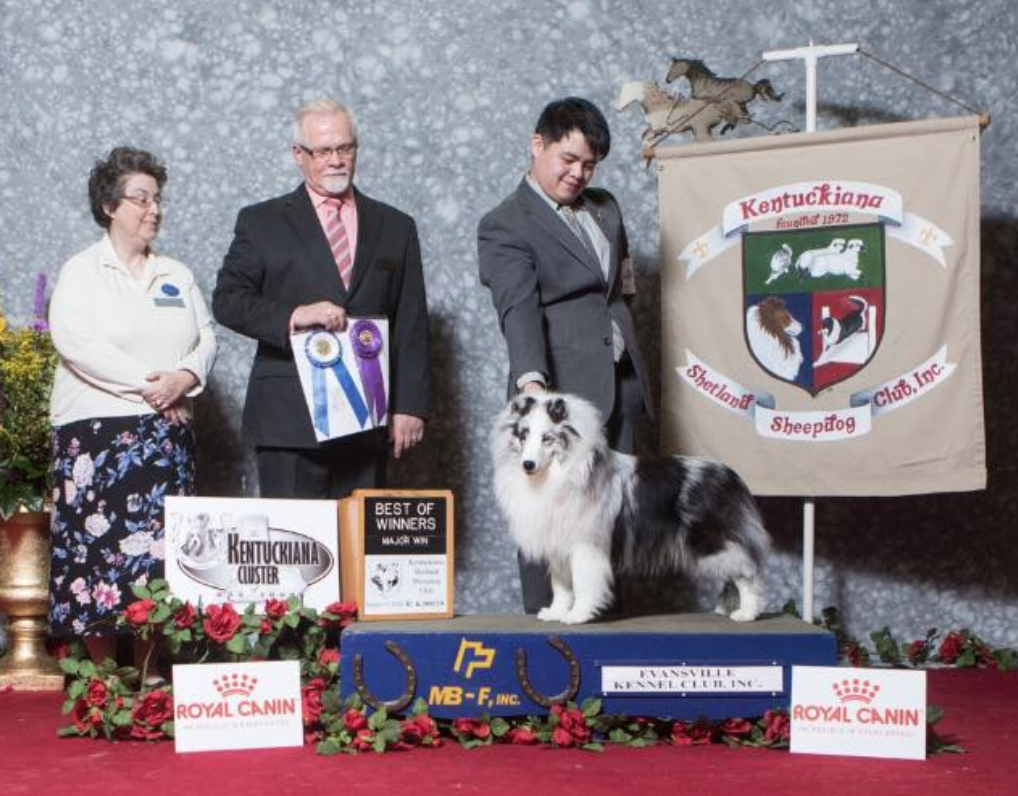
136	344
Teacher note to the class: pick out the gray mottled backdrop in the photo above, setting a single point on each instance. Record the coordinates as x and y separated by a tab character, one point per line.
446	95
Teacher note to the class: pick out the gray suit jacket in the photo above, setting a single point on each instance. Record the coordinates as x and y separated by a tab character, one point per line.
554	305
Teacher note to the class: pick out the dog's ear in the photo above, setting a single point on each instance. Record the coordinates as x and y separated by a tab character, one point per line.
557	410
521	404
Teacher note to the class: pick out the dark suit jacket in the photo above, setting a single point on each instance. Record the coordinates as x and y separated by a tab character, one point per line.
280	259
554	305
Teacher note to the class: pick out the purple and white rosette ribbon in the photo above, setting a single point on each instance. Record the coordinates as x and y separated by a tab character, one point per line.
367	345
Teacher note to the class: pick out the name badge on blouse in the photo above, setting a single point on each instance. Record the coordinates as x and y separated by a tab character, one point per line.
170	298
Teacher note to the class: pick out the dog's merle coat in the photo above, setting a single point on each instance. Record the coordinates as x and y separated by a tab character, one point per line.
588	511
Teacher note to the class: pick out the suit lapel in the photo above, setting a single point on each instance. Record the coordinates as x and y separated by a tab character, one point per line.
546	218
301	213
608	221
369	231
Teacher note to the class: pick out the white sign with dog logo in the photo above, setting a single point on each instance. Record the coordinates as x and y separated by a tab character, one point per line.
858	712
247	550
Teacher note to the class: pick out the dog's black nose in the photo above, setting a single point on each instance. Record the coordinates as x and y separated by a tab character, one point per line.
529	466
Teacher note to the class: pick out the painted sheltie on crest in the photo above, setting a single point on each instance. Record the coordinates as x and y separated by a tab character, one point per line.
589	512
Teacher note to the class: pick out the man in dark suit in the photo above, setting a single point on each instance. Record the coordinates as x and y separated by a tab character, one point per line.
555	256
309	260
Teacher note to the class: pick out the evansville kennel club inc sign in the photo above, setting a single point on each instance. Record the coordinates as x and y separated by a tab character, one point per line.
825	290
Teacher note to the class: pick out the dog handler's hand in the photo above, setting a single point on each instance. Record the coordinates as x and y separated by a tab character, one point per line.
329	316
405	431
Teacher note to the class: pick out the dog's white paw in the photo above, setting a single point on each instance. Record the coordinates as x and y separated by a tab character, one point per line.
574	617
551	614
743	615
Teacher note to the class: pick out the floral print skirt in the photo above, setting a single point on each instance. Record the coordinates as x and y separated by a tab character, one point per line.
111	476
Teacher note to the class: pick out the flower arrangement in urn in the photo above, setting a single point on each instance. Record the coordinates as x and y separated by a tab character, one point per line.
27	363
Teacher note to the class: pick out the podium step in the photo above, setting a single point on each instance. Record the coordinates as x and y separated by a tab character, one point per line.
670	666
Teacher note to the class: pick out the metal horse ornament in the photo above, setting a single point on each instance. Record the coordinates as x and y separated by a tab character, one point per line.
704	84
666	114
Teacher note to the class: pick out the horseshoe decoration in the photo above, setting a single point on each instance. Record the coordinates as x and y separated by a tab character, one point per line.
410	673
543	699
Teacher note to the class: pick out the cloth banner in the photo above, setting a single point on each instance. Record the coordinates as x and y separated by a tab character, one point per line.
345	376
820	308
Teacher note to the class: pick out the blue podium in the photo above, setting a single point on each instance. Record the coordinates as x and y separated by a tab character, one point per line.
671	666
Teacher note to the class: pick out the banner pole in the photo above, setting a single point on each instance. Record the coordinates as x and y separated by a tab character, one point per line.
809	56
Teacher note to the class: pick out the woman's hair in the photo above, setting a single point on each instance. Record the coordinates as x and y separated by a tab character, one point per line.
106	182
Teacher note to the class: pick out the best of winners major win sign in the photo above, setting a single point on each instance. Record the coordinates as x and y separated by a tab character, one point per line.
345	376
247	550
820	308
397	553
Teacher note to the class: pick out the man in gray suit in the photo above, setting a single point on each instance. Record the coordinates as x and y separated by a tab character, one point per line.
555	256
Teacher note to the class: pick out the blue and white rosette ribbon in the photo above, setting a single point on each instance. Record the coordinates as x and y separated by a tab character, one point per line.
325	352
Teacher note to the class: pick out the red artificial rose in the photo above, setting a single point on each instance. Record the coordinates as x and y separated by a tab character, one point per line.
150	712
276	609
573	722
776	726
854	653
680	734
328	656
97	693
984	654
58	649
311	701
410	734
85	716
471	728
951	647
916	651
265	627
701	733
690	734
185	617
362	741
341	614
560	736
221	622
415	730
736	728
137	612
354	720
522	736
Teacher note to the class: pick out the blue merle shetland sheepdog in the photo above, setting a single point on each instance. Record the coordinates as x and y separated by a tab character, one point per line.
588	512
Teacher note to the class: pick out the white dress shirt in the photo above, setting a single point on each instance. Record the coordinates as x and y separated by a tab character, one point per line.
111	330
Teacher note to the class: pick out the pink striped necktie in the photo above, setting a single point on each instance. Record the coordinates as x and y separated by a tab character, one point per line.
339	242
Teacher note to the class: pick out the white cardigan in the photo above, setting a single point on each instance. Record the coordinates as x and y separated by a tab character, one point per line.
111	330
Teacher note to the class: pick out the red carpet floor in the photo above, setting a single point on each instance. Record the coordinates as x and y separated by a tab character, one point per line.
981	713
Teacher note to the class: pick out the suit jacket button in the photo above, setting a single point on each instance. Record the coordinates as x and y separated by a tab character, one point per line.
607	341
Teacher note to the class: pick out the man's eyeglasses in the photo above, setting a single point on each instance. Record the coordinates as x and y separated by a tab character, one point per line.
323	153
144	201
